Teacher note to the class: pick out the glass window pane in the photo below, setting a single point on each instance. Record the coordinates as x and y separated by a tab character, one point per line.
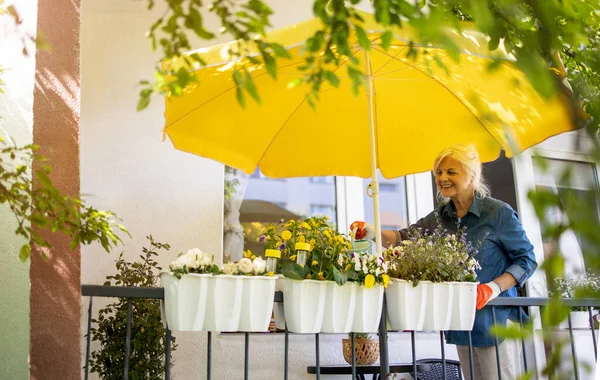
582	185
392	203
265	200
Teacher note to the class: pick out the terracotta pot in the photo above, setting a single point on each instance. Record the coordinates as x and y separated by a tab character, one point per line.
366	351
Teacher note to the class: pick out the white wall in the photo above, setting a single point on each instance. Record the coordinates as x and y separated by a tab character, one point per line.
16	121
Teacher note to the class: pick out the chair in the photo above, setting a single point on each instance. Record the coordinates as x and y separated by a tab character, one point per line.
436	371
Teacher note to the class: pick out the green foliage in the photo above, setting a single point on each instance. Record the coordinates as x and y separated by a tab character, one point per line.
147	356
40	206
587	284
433	256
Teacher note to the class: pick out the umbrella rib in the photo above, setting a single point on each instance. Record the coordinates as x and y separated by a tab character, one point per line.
391	59
451	93
221	94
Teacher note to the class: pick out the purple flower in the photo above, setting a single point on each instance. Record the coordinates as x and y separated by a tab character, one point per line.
262	238
282	247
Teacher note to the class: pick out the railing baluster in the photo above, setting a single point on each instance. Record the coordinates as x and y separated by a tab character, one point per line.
413	343
317	356
168	354
593	333
522	338
353	342
575	369
209	355
285	354
127	341
89	340
496	345
384	358
443	348
246	347
471	368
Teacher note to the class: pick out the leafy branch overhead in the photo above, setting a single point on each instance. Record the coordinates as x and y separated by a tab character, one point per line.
530	32
42	207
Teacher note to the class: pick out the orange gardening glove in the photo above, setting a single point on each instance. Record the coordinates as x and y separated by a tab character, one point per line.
486	293
363	230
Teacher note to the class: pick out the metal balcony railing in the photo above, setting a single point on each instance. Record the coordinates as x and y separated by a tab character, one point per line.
420	368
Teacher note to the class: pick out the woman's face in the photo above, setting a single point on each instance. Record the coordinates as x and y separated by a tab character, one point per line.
451	180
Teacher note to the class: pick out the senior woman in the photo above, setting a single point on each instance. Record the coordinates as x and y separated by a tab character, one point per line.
505	255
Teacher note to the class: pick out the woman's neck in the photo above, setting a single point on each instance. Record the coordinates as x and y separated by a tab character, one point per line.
463	204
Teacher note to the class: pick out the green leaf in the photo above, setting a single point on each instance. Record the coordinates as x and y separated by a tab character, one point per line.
386	39
183	76
339	276
194	22
279	50
270	64
363	39
331	78
143	101
251	88
294	271
25	253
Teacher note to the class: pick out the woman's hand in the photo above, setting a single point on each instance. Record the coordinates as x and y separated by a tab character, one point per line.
363	230
486	293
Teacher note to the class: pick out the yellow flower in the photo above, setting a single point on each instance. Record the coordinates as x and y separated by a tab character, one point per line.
293	257
308	276
320	274
325	217
386	280
306	226
253	257
248	253
314	263
369	281
348	266
285	235
312	242
301	239
290	223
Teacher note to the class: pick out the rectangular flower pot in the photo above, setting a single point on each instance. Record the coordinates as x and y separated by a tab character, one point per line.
257	303
185	300
224	303
340	301
439	306
367	312
304	304
406	305
463	308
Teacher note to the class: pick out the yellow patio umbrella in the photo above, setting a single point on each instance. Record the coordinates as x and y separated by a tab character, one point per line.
406	113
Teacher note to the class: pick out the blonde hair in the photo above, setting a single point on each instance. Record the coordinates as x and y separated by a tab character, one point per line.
468	157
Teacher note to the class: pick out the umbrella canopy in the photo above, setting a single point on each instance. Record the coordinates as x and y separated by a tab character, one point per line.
417	110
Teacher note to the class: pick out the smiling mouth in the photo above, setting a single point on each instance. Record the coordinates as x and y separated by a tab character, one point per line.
446	186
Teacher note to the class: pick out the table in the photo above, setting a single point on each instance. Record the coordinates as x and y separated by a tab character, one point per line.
345	369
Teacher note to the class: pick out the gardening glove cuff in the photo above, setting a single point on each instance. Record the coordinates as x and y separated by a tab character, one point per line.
363	230
486	293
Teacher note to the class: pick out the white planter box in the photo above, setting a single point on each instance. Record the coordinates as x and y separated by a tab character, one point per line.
304	304
579	320
185	300
257	303
367	312
224	303
406	305
340	302
439	306
464	302
431	306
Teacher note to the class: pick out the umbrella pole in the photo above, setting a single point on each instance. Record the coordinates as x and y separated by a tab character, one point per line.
374	185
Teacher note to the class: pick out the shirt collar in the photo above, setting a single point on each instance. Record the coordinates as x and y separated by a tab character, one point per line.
475	208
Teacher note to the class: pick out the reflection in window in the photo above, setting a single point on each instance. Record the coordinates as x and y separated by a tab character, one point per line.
267	200
392	203
583	186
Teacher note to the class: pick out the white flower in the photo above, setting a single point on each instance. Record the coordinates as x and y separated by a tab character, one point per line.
365	269
185	260
176	265
205	260
230	268
259	265
195	251
245	265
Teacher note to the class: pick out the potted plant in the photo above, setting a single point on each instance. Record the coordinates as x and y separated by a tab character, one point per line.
242	296
572	287
148	335
311	275
186	290
366	350
434	281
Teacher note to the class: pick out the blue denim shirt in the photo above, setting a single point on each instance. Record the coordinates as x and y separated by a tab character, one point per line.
504	248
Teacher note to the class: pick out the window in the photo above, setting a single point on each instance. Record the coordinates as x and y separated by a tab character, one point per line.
583	185
393	208
261	200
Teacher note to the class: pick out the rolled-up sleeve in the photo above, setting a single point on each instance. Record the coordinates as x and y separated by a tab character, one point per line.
516	244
